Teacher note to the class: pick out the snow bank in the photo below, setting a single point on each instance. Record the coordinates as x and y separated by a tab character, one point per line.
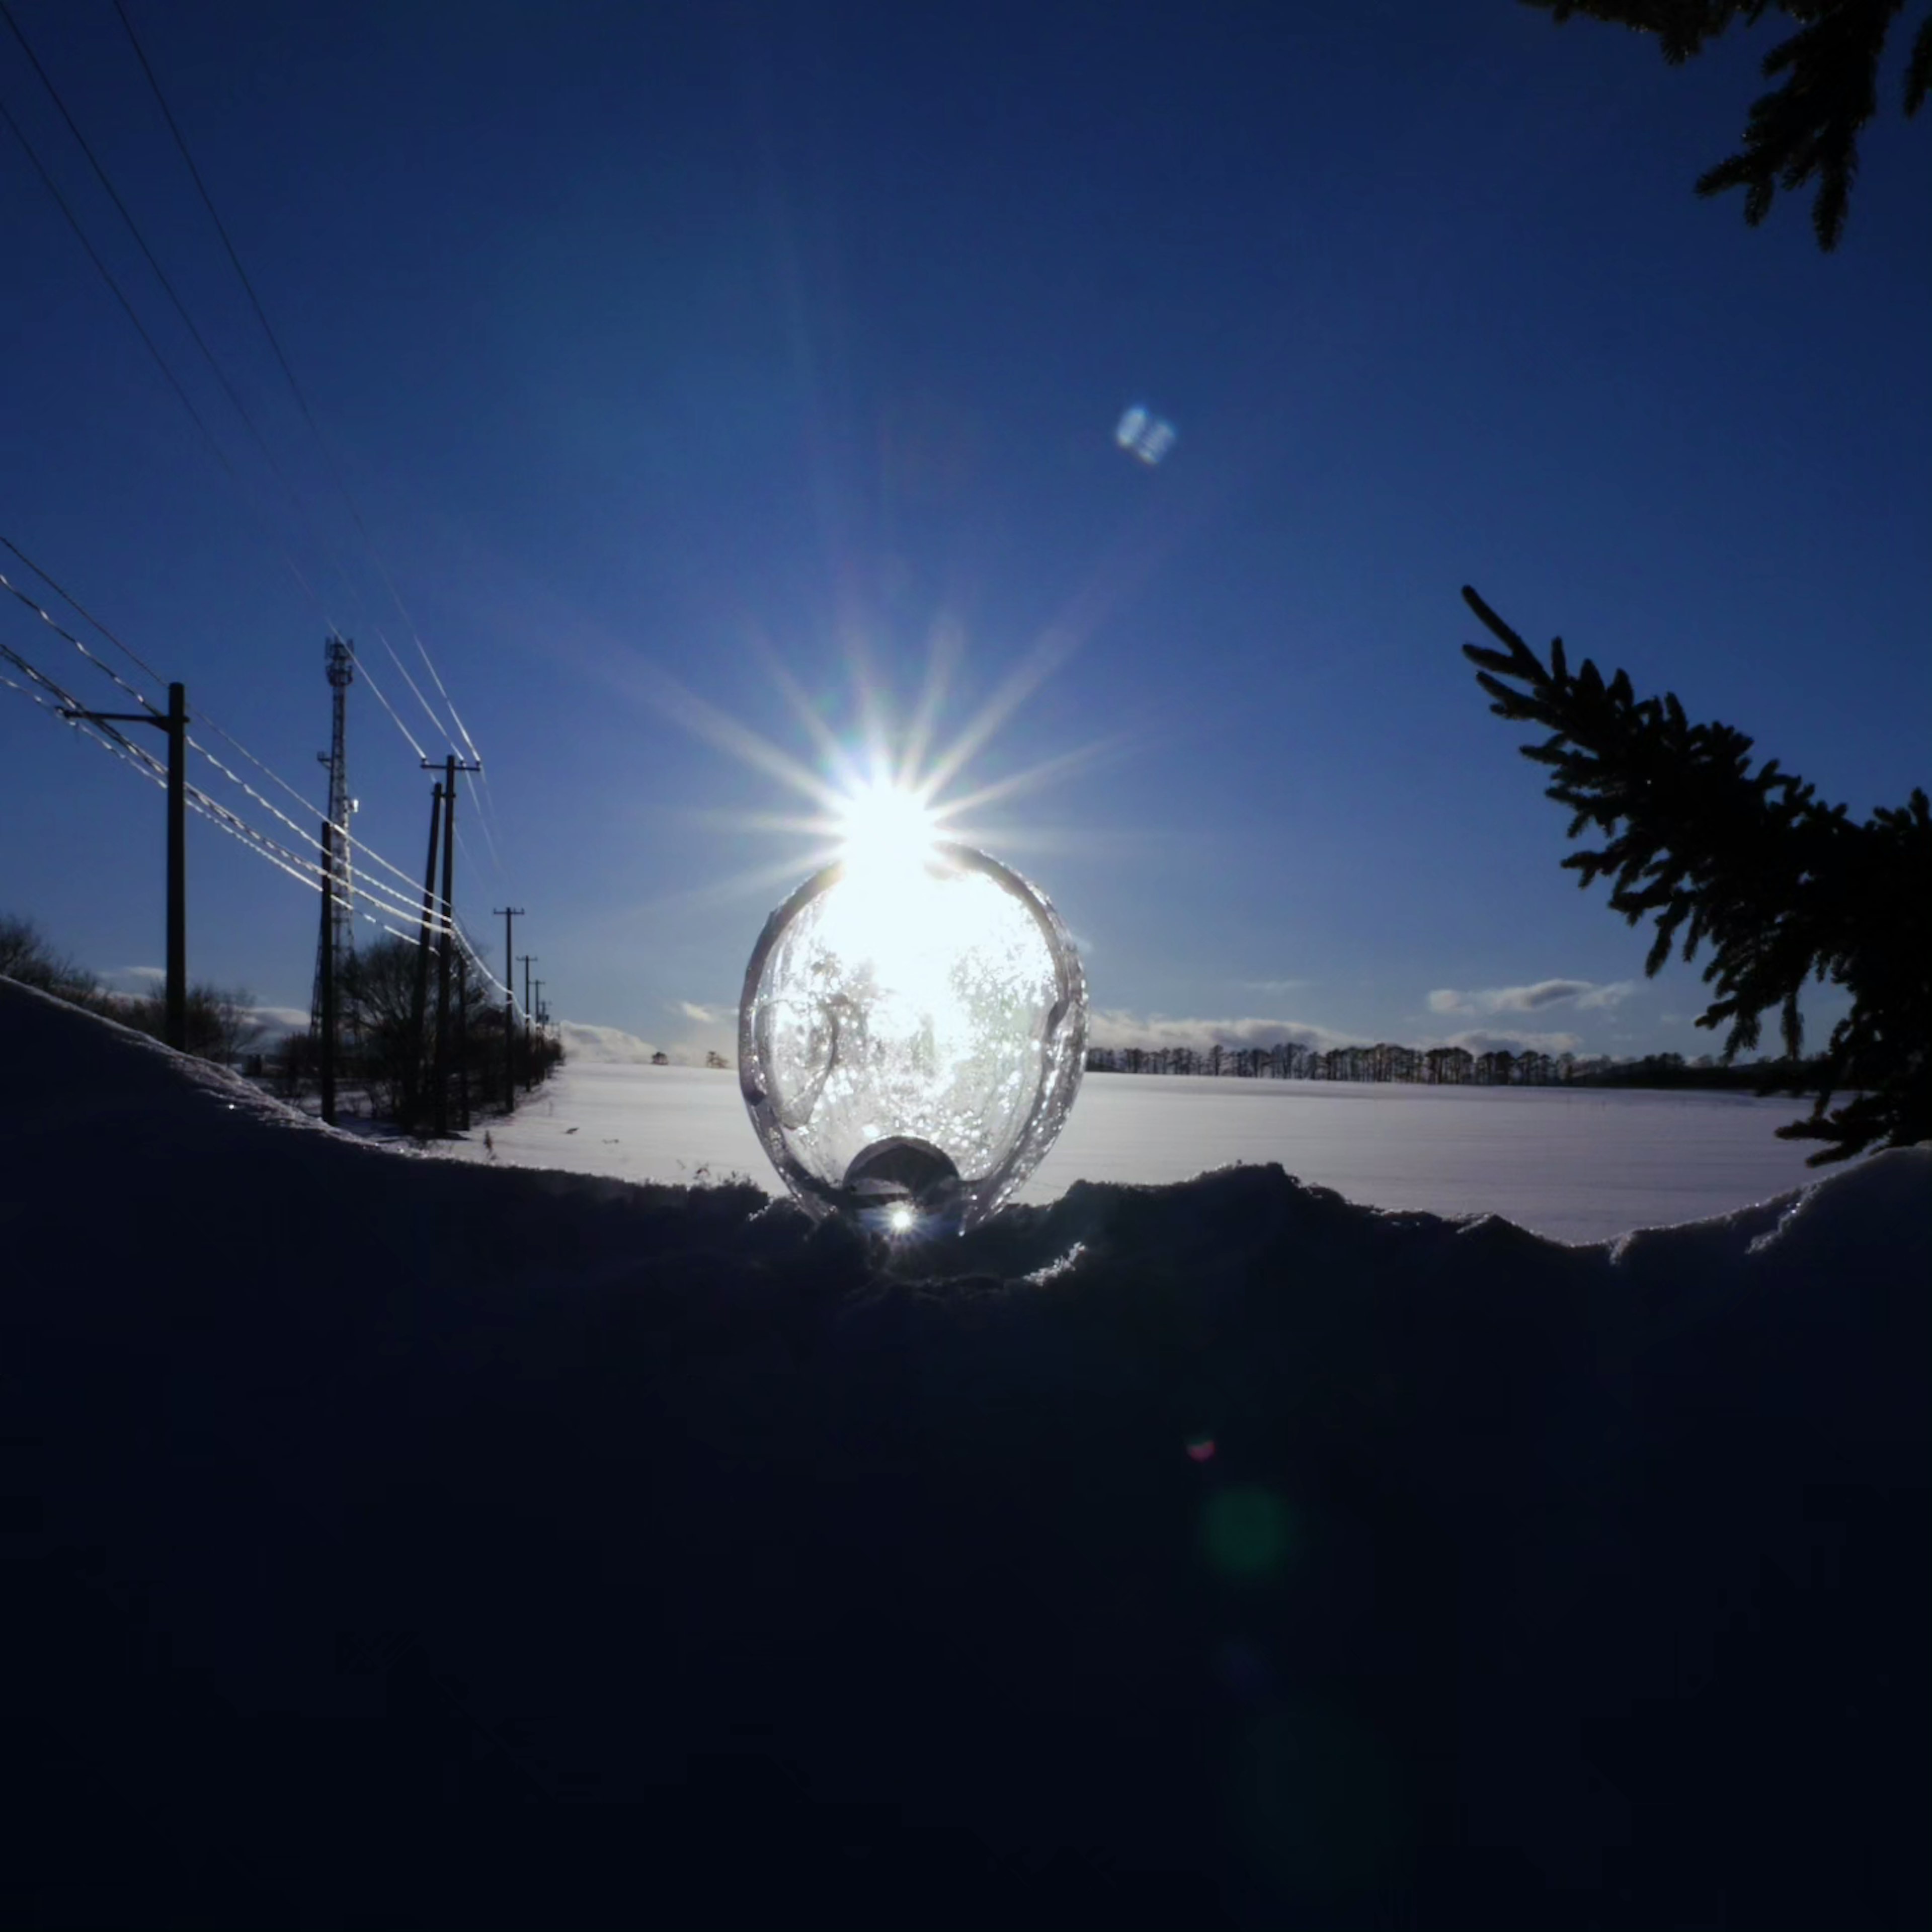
406	1542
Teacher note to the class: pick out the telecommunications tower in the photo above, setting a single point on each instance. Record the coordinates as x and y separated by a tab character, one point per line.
338	935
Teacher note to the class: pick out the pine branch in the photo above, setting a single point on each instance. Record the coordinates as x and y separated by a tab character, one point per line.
1780	889
1918	68
1805	130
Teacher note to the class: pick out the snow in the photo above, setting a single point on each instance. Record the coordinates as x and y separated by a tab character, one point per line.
1584	1165
396	1540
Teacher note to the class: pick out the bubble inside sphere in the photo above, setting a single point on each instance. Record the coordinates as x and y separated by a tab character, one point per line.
911	1038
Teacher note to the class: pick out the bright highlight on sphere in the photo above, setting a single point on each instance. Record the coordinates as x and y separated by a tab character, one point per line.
912	1035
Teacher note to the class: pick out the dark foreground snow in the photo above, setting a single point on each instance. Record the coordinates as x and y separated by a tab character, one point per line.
398	1543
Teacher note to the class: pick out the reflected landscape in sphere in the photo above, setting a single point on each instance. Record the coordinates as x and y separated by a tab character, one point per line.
912	1035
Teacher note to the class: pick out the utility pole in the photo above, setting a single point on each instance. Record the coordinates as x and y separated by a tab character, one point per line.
530	1065
325	972
174	724
540	1009
509	1006
452	765
413	1098
338	927
440	1117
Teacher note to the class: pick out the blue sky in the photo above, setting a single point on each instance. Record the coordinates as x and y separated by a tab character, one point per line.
659	347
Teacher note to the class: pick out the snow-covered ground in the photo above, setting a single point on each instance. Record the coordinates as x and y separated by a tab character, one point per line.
1576	1166
392	1541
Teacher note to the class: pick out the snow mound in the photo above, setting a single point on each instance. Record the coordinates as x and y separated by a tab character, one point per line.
405	1541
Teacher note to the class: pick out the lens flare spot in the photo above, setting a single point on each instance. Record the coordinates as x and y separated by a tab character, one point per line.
901	1217
1246	1532
1142	433
1201	1448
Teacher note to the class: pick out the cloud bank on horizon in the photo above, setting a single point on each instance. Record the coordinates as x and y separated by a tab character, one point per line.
1115	1027
1110	1027
604	1045
1584	994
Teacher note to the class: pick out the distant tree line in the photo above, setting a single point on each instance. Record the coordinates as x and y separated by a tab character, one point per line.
221	1024
1450	1067
382	1052
387	1026
1430	1066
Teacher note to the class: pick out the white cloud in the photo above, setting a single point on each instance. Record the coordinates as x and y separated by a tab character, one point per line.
699	1016
277	1020
1111	1027
1272	985
1479	1002
1613	995
1482	1040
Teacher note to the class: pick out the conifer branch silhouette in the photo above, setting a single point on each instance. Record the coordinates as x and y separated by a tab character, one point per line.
1806	129
1782	889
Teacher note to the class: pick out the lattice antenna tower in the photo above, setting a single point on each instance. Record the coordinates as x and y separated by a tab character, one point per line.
338	933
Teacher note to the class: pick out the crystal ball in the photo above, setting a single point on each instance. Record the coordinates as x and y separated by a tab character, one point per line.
911	1037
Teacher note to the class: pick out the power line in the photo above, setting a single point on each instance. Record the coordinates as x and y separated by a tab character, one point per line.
230	820
103	733
201	715
149	767
486	813
168	375
67	597
141	242
100	664
449	737
174	383
140	697
220	227
107	276
301	403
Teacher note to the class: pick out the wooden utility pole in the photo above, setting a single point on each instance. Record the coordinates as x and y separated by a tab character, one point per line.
446	945
174	724
325	968
529	1061
509	1006
413	1099
452	765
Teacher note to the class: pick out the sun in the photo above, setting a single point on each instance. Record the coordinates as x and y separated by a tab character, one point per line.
885	828
884	800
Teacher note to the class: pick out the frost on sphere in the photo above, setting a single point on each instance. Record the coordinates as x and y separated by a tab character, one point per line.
911	1038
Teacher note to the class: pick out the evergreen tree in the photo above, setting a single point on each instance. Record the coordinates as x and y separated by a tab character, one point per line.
1780	887
1808	128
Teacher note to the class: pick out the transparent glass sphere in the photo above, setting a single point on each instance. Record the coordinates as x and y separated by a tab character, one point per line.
911	1037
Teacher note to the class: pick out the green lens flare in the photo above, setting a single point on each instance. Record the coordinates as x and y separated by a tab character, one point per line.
1247	1532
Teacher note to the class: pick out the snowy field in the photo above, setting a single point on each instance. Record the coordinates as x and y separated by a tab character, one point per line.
399	1541
1583	1166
